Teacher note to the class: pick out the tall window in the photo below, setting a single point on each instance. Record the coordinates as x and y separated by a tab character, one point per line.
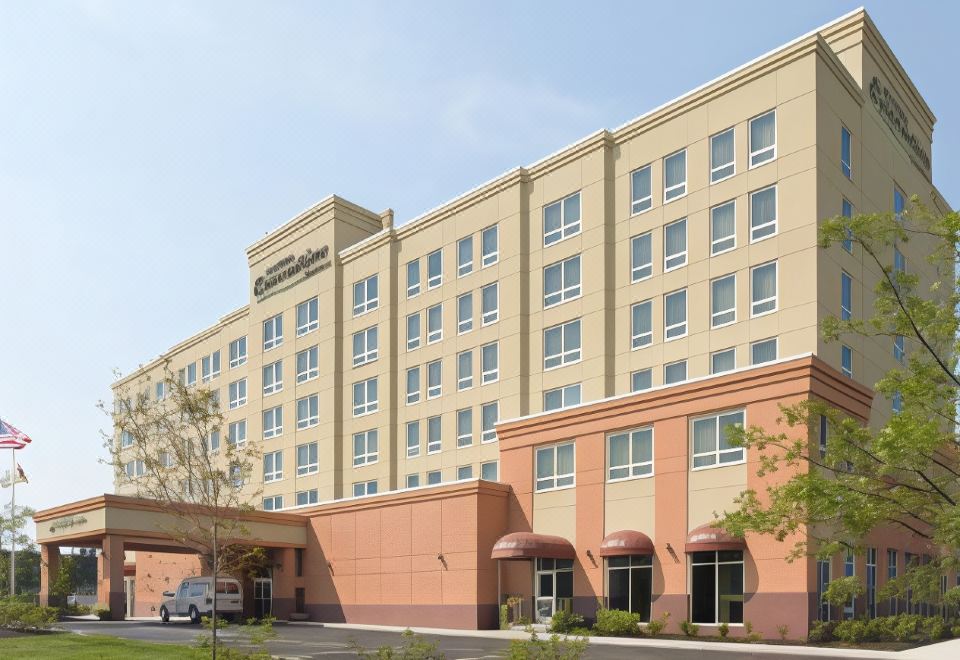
723	300
465	427
434	379
272	422
845	151
823	581
899	203
191	374
308	316
435	323
365	346
161	388
630	454
871	583
555	466
434	437
711	443
489	246
561	219
273	332
641	380
237	391
308	364
273	378
126	439
238	352
308	411
675	245
273	466
716	587
846	210
465	370
721	156
413	278
365	397
763	351
465	256
489	363
763	138
675	372
413	439
763	289
209	367
489	304
237	432
899	350
366	448
307	461
630	584
641	324
562	397
561	344
892	559
675	315
465	313
413	331
434	269
641	257
366	295
763	214
846	297
849	570
846	360
641	192
489	415
725	360
561	281
675	176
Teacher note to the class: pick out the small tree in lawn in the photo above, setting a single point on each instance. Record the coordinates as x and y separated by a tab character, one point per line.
12	531
173	451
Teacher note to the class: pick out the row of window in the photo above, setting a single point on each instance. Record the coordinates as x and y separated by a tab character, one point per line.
489	255
489	314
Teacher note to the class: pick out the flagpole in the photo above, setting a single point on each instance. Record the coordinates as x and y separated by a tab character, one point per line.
13	514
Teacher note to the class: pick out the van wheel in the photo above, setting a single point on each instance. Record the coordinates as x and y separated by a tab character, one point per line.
164	614
194	614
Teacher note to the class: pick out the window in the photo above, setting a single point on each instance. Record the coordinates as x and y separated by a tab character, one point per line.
489	415
846	210
630	454
272	422
413	385
490	304
465	427
899	351
465	256
307	461
191	374
899	262
561	344
209	367
723	295
561	397
273	466
846	360
554	587
465	313
725	360
763	138
434	269
723	227
273	377
872	583
238	352
675	245
716	587
465	370
464	472
413	439
490	363
641	191
675	176
561	219
675	314
273	503
273	332
182	376
308	316
710	439
896	404
237	391
365	488
435	323
846	297
823	581
763	214
366	295
892	575
365	448
849	570
845	150
365	397
434	429
161	388
490	471
675	372
489	246
305	497
308	364
126	439
630	584
899	203
763	289
308	411
413	331
561	281
434	379
763	351
413	481
641	257
641	380
822	437
413	278
641	324
134	469
555	466
433	477
365	346
237	432
721	156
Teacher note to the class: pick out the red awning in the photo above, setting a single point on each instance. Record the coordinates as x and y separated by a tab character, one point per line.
527	545
626	542
707	538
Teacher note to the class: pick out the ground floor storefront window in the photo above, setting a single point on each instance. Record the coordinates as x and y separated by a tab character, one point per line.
716	587
554	582
630	584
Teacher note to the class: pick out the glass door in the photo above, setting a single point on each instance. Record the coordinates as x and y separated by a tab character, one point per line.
554	587
262	597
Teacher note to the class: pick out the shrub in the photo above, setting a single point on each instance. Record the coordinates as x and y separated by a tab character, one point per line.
504	617
821	631
784	630
934	628
412	647
656	626
852	631
555	648
16	614
689	629
564	622
723	629
103	613
617	623
751	635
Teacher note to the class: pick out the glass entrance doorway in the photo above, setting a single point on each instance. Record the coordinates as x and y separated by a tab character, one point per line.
262	597
554	587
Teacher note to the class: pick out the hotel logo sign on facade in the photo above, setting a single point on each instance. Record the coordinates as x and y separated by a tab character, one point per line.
290	271
893	114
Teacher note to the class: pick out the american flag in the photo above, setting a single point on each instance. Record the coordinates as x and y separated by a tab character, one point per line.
11	437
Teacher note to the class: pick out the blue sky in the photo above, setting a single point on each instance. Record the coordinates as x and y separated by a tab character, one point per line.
144	146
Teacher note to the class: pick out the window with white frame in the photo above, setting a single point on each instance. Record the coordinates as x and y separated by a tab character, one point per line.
846	149
307	459
711	440
434	437
489	246
675	175
413	481
846	296
555	466
365	346
464	472
641	324
308	411
273	466
126	438
641	257
561	397
630	454
561	281
273	332
723	227
723	300
413	385
237	432
238	352
413	331
716	587
413	439
273	377
209	367
641	190
161	390
465	313
308	364
675	315
366	295
434	379
899	349
363	488
490	304
465	256
435	323
562	344
896	403
490	471
725	360
763	289
846	360
721	156
305	497
763	351
273	503
237	391
272	422
434	269
433	477
641	380
489	416
365	397
489	363
413	278
846	210
134	469
763	213
366	448
308	316
464	370
675	372
561	219
191	374
763	138
465	427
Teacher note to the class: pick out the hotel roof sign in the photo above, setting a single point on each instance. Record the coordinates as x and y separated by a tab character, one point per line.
885	101
290	271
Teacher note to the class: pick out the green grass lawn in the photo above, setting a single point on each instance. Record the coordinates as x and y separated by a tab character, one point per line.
91	647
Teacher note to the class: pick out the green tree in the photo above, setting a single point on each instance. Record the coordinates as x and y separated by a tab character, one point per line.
27	559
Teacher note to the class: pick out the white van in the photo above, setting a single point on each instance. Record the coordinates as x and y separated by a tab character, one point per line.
194	598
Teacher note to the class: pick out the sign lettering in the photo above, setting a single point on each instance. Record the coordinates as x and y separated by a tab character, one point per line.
291	270
886	103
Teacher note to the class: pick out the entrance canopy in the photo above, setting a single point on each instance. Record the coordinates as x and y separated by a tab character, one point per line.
626	542
527	545
707	539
